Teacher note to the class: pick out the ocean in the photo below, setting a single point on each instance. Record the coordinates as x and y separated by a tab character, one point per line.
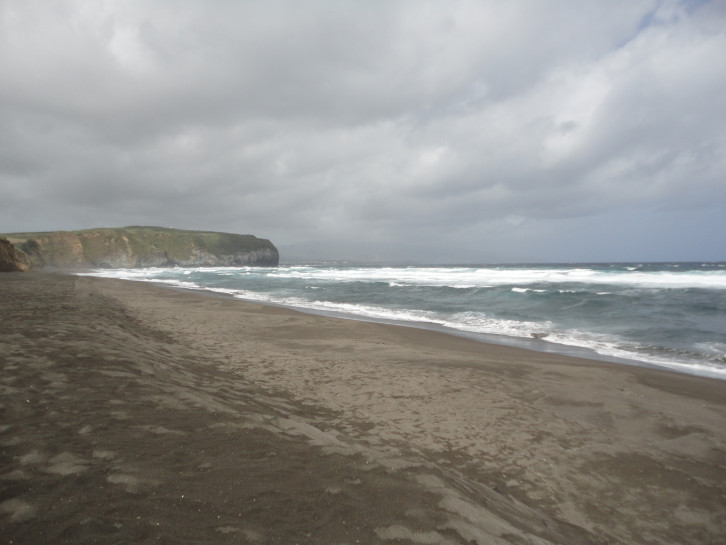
666	315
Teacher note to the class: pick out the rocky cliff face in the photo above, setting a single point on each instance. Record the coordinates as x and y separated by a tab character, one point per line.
143	247
10	259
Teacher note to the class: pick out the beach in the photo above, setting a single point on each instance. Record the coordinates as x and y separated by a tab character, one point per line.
133	413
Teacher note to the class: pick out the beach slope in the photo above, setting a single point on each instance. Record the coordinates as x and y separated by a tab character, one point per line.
137	414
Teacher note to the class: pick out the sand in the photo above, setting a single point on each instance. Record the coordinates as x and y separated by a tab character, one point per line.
132	413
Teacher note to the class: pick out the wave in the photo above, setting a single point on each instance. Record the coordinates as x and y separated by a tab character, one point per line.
695	362
402	294
479	323
525	290
456	277
460	277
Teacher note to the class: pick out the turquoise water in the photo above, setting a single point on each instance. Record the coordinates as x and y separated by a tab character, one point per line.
670	315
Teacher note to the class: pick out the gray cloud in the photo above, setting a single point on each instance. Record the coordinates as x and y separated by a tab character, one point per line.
429	131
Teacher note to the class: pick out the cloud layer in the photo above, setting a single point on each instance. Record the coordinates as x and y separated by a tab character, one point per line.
427	131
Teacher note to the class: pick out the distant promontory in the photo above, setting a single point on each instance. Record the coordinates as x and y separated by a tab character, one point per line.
137	246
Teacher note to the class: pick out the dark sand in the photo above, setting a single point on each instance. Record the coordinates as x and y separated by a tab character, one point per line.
136	414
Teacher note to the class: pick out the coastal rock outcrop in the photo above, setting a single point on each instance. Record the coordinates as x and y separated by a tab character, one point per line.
143	247
10	259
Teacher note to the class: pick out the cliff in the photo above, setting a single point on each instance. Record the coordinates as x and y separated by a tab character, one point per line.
10	259
142	247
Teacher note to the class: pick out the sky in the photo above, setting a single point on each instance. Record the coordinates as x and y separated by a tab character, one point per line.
391	131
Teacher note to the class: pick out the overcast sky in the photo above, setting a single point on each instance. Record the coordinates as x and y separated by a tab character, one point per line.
432	131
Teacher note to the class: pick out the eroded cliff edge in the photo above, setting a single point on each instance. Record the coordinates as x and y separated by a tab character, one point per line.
142	247
10	259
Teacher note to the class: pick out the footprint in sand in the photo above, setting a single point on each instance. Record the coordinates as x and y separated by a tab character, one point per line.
129	482
32	457
18	510
66	464
104	454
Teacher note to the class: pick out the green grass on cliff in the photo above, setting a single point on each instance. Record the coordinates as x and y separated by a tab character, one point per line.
180	243
97	244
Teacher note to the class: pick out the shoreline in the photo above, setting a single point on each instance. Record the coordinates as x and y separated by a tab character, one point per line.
136	413
540	345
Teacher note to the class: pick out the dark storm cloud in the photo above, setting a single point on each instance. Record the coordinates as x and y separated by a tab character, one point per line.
392	130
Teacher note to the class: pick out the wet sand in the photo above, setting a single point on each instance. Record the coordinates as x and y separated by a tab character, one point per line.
132	413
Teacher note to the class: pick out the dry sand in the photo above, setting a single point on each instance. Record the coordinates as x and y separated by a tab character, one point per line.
132	413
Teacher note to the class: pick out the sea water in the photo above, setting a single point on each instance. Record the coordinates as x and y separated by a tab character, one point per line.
669	315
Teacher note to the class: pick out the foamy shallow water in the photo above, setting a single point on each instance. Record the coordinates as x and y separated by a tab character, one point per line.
667	315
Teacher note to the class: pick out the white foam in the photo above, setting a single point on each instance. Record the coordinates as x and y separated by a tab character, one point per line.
376	312
470	277
464	278
525	290
609	346
457	277
715	348
478	322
